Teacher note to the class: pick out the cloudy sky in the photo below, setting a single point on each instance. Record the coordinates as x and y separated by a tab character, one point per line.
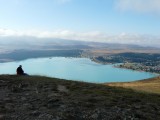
114	21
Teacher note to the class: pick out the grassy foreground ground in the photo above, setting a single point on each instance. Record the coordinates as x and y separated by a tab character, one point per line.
149	85
42	98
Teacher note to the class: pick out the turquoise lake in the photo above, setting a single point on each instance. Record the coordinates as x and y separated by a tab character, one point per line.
78	69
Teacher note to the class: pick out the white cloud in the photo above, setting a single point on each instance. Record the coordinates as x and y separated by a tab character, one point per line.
95	36
143	6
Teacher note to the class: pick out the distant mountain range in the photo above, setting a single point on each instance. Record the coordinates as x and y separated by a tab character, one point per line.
20	48
32	43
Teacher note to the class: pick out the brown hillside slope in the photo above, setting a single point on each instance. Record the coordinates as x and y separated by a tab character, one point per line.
149	85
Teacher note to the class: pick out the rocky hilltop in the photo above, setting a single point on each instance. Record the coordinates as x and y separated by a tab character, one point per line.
42	98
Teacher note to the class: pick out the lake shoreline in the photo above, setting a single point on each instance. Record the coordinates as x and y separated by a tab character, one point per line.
82	69
91	58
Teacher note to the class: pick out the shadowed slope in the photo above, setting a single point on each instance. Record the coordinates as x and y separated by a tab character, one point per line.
42	98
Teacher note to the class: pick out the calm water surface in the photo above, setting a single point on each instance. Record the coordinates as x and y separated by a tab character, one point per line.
80	69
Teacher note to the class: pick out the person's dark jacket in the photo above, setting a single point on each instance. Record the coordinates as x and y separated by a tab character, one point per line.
20	71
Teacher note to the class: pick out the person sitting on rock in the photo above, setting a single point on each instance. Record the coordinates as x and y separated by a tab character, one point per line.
20	70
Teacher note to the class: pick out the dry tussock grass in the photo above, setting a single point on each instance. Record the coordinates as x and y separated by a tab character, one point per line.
148	85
